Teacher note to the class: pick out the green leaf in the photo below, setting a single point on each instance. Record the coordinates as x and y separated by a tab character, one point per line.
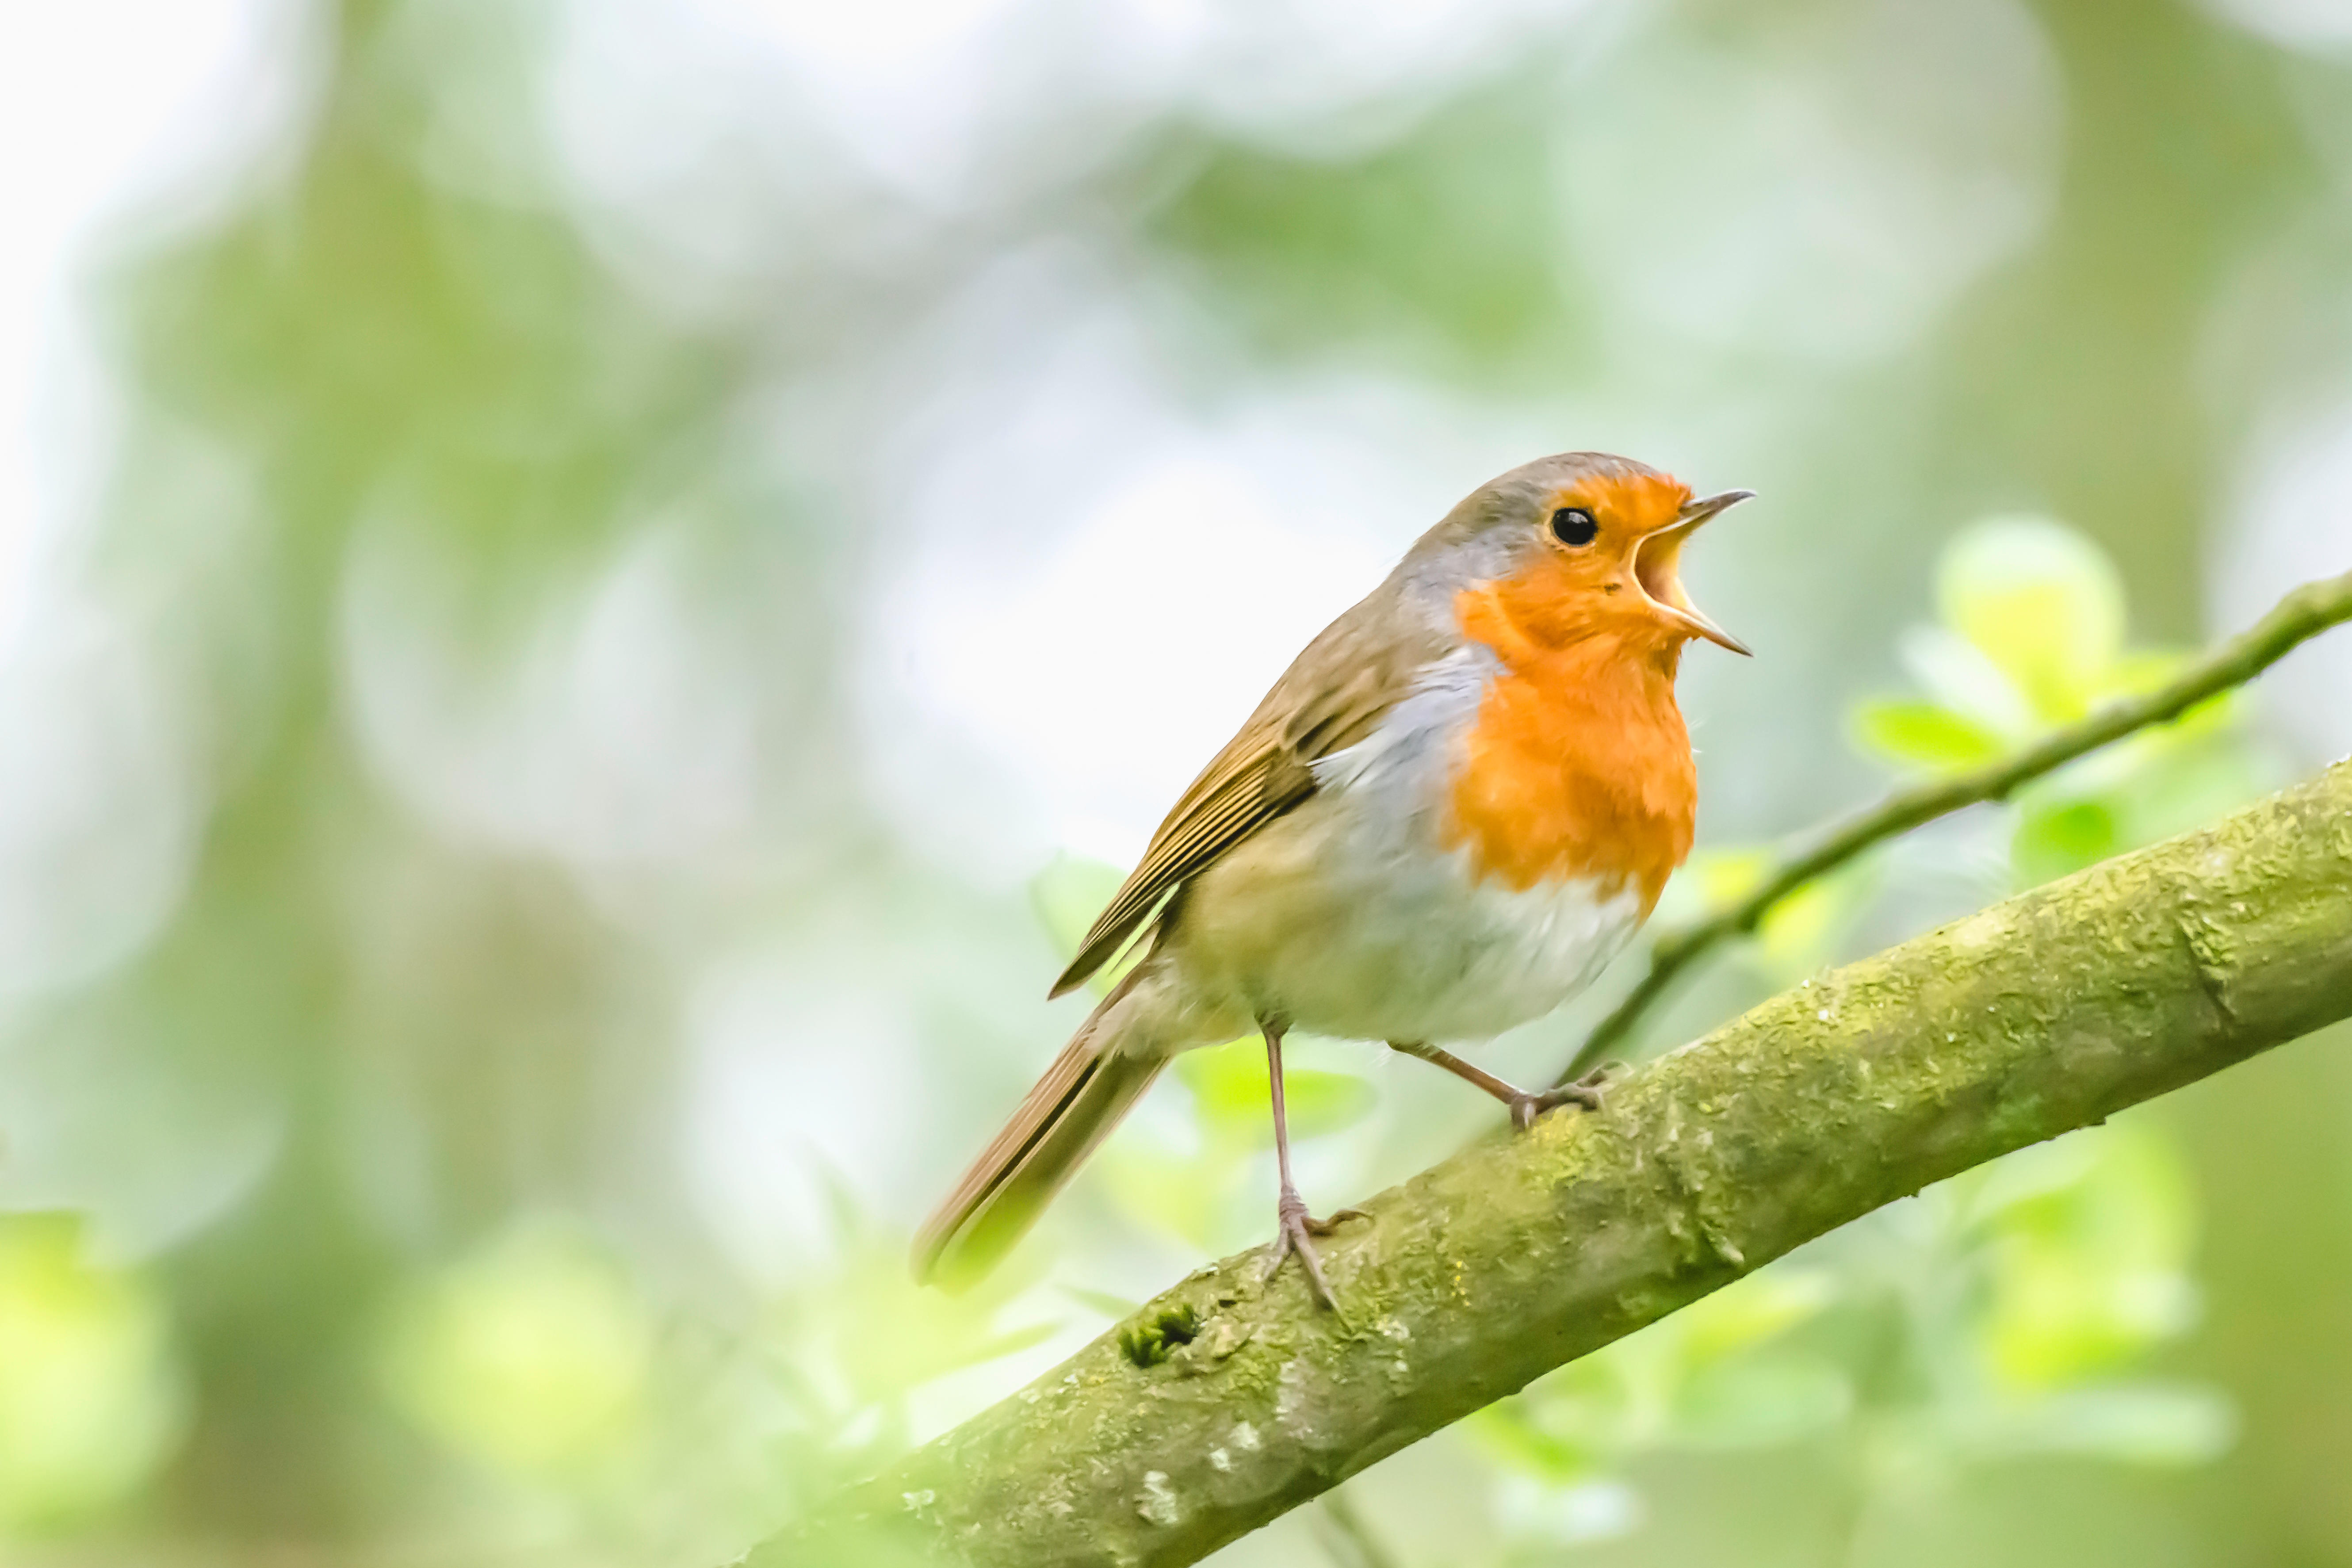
2085	1243
1068	894
1922	735
1725	875
1955	673
2055	838
1233	1094
1185	1195
2062	1313
2154	1424
1319	1103
2187	783
2043	602
1743	1315
1508	1431
1759	1401
1794	936
90	1400
864	1333
533	1355
1567	1425
2142	670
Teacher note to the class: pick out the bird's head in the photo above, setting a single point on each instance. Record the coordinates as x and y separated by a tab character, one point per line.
1571	547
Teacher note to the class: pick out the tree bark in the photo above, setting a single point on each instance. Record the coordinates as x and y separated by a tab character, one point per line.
1224	1403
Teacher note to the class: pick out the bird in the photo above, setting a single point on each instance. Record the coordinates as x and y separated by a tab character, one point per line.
1458	805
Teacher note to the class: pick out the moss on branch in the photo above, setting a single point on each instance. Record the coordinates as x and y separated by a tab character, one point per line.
2046	1012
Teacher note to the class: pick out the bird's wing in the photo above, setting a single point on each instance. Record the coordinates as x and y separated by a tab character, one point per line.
1332	696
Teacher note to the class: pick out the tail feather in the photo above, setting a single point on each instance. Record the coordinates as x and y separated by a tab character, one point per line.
1071	1110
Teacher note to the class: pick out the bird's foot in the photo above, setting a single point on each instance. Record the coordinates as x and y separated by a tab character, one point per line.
1587	1091
1295	1231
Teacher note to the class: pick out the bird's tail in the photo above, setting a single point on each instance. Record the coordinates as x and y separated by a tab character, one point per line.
1070	1110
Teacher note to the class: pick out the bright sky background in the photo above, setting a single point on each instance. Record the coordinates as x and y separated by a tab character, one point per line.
108	108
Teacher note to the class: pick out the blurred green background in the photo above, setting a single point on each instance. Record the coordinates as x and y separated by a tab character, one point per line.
589	591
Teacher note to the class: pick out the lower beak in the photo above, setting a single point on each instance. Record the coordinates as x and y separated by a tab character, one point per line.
1655	560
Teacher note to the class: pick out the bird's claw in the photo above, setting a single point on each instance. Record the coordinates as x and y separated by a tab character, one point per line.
1295	1230
1588	1091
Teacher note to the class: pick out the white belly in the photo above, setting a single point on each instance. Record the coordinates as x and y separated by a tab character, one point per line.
1348	916
1428	954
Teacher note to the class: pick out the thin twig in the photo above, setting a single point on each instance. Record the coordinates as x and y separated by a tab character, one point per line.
2301	616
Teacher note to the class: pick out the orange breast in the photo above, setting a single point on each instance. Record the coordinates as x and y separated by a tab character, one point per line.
1577	763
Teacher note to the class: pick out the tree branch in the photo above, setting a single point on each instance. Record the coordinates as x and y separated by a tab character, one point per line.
2295	619
1225	1403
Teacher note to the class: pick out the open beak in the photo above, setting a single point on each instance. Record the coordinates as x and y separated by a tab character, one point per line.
1657	558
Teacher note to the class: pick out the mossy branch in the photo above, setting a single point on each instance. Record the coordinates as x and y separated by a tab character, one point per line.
1226	1402
2301	616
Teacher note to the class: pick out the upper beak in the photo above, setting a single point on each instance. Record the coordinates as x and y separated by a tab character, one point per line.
1656	557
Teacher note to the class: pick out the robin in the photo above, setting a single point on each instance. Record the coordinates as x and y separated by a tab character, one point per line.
1450	813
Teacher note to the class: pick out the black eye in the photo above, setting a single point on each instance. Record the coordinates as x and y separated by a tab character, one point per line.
1573	525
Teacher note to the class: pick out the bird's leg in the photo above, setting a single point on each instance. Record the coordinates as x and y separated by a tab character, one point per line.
1525	1104
1295	1227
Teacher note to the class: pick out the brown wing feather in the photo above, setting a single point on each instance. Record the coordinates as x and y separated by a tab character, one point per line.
1332	696
1253	780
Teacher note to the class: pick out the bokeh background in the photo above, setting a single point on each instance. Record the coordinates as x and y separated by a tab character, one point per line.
589	592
